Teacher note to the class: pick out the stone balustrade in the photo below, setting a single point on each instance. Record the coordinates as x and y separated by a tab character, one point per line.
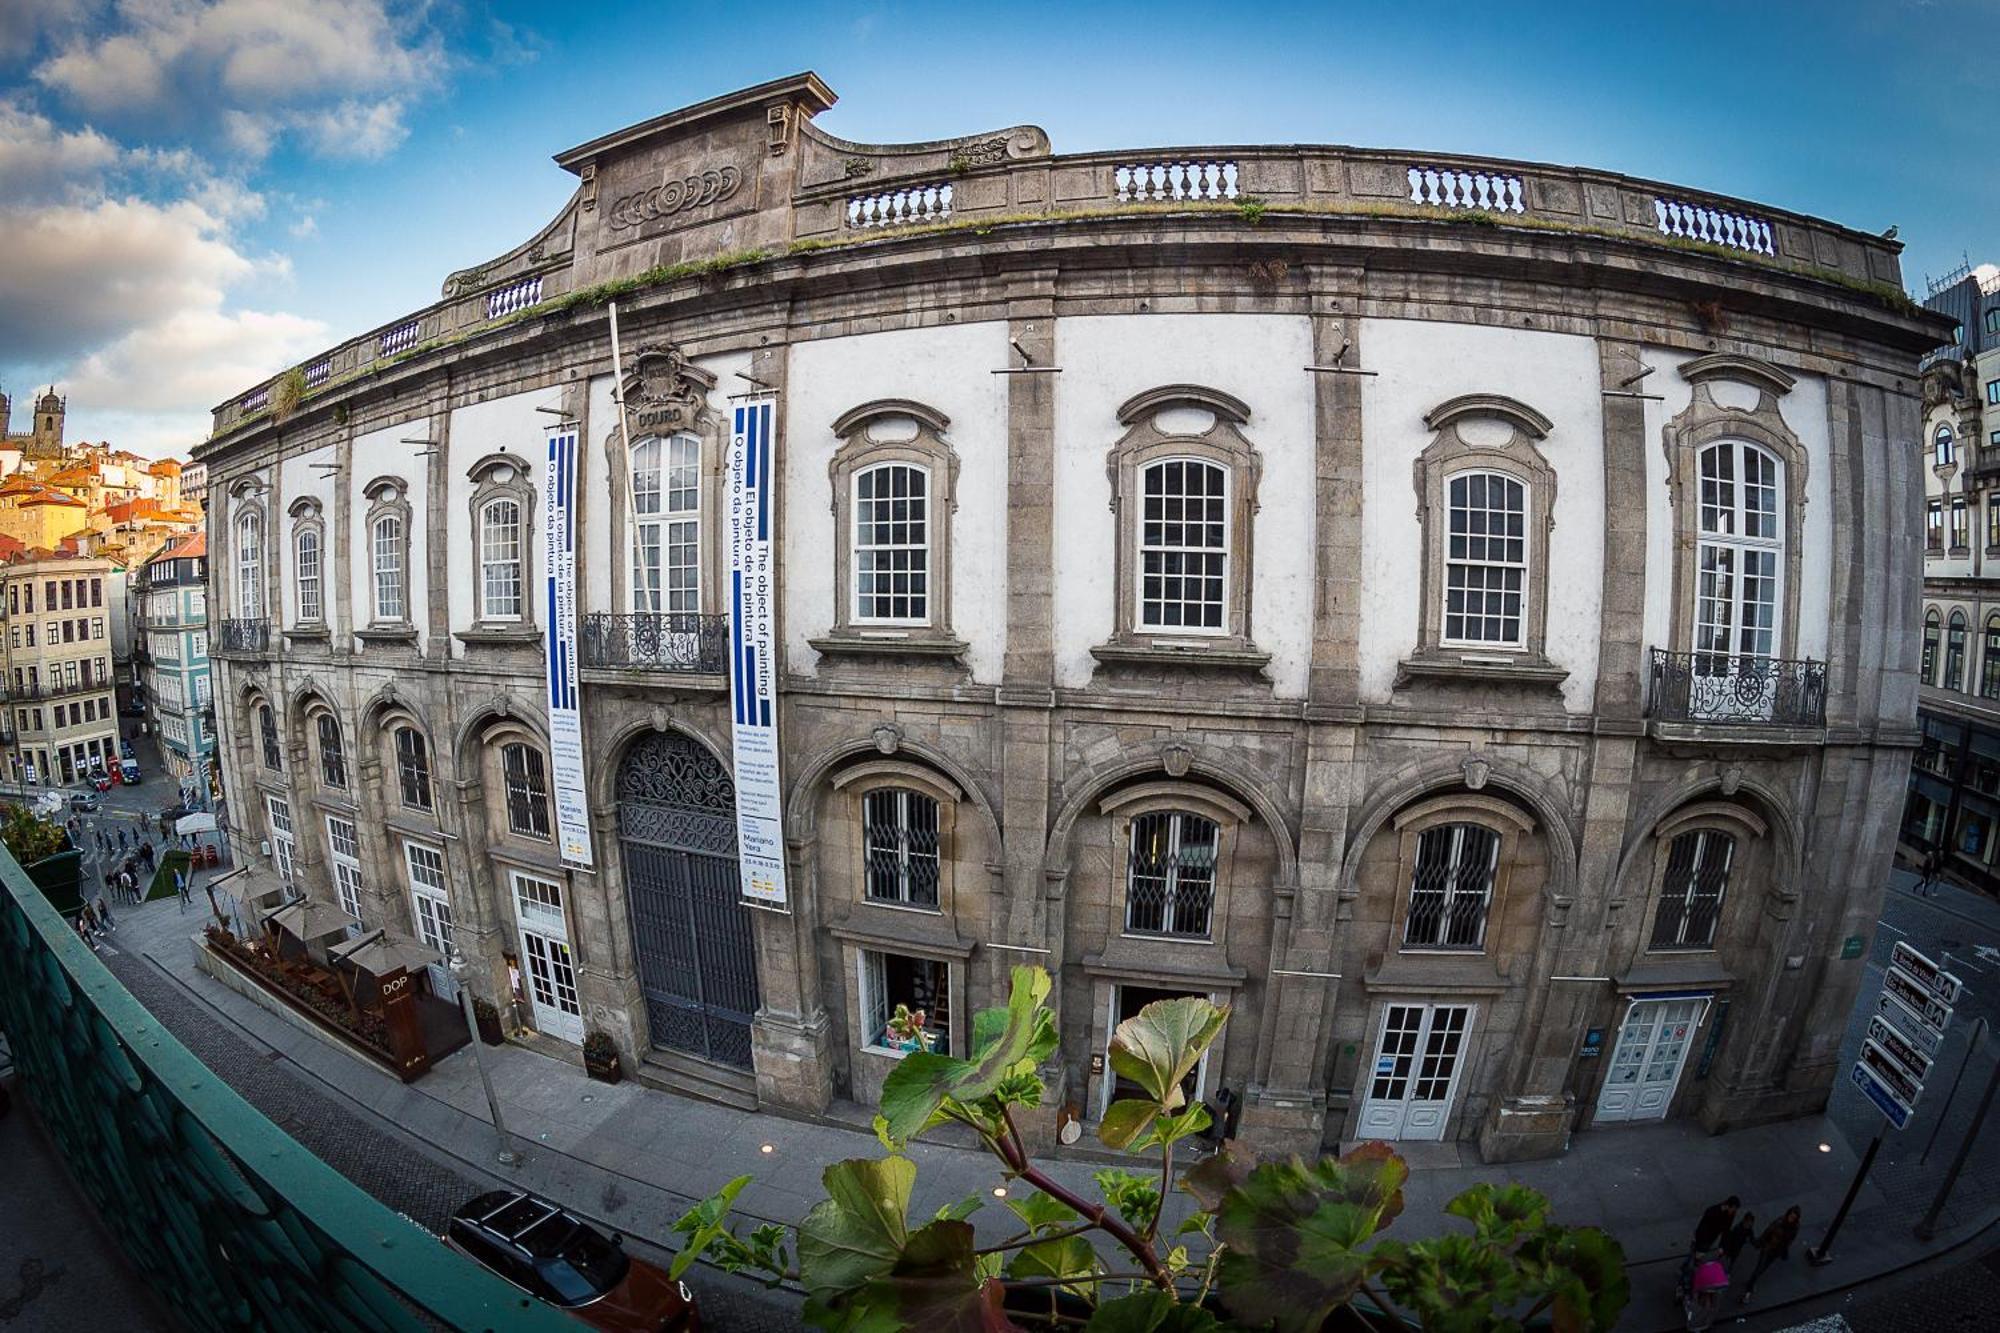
1454	187
1155	182
516	295
929	202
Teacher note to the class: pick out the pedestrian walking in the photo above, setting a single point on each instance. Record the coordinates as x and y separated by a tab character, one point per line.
181	888
1773	1245
1708	1234
1737	1237
104	914
1933	867
83	933
146	855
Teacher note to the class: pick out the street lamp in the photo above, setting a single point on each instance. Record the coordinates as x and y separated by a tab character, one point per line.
459	969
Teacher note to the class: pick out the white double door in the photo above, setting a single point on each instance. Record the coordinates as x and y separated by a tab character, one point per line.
545	958
1414	1079
1646	1065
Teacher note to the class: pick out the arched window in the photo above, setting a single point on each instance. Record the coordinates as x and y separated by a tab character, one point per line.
413	768
1170	874
386	550
500	564
527	790
1452	887
1740	551
1486	560
1944	450
250	566
666	525
306	569
900	846
1691	897
332	754
1184	546
1989	660
1928	671
267	730
892	544
1954	652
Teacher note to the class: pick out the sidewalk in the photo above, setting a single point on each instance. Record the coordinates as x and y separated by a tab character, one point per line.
636	1158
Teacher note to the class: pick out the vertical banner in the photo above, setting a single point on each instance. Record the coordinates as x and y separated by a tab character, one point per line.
753	674
565	723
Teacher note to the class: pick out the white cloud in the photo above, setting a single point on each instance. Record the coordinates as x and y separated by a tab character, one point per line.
39	161
23	23
305	228
191	360
356	129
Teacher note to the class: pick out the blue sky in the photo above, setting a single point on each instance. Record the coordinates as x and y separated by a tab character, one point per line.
196	193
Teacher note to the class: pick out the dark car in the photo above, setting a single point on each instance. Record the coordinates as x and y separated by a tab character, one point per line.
555	1256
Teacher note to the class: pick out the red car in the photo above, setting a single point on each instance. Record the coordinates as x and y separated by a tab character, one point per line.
100	781
555	1256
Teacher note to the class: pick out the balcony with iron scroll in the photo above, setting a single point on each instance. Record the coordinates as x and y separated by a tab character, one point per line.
688	647
242	638
1738	696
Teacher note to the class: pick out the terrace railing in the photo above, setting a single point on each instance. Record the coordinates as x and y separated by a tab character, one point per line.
1734	689
675	641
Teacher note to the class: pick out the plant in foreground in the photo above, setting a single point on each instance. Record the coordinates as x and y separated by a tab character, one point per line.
1272	1244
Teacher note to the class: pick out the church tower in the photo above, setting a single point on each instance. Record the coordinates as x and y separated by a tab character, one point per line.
47	441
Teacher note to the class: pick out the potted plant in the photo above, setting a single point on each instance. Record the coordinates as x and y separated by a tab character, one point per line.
906	1029
487	1019
600	1057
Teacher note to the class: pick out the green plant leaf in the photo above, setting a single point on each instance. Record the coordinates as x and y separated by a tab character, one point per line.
1214	1176
1453	1283
1072	1256
1007	1042
1156	1047
964	1208
935	1284
1501	1213
1173	1128
1151	1311
1038	1211
1588	1278
913	1092
704	1223
1297	1237
858	1231
1125	1120
1135	1198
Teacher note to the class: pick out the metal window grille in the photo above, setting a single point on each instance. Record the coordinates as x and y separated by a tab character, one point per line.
500	560
1452	887
892	544
389	568
1183	545
527	790
1691	898
900	846
267	727
921	983
1170	874
332	753
1486	559
413	768
309	606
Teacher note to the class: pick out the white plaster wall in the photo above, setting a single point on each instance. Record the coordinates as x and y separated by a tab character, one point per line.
948	367
298	478
1419	364
1805	412
512	426
593	552
1259	359
383	453
1937	491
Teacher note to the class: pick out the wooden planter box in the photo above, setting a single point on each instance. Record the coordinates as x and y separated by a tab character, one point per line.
604	1071
488	1022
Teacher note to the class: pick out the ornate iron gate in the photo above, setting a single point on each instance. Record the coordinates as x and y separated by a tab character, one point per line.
697	964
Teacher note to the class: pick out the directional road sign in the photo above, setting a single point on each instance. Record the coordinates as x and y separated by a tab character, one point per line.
1895	1043
1911	1024
1933	978
1917	996
1894	1077
1885	1101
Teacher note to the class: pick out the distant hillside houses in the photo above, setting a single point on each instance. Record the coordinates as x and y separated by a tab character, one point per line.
85	499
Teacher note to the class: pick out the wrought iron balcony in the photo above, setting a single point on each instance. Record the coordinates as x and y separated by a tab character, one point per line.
675	641
1734	689
243	636
230	1221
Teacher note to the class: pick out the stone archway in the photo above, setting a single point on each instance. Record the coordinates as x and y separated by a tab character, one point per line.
691	933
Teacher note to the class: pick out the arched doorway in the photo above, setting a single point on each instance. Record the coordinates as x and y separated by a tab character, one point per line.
697	965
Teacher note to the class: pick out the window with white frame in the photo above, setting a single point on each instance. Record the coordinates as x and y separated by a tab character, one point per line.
500	560
666	525
1170	874
307	574
1960	523
386	546
527	786
429	896
250	566
1183	546
279	813
1486	560
900	846
413	768
1932	623
1740	551
1697	876
922	985
332	753
1944	450
343	846
1451	887
1954	652
892	544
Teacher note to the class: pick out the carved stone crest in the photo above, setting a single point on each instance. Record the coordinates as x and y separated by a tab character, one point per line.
708	185
660	717
856	166
663	392
1177	759
888	737
1475	770
1732	778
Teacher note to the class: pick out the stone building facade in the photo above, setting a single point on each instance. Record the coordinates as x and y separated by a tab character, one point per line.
1455	612
61	722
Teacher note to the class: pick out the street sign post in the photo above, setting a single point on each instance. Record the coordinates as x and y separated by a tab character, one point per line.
1915	994
1885	1067
1886	1101
1911	1024
1933	978
1907	1055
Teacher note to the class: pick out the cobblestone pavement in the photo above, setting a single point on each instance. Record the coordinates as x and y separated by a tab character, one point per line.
395	1169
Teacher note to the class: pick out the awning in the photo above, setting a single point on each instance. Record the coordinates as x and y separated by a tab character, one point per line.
201	821
378	955
308	921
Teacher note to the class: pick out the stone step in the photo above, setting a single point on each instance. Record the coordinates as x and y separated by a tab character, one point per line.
672	1071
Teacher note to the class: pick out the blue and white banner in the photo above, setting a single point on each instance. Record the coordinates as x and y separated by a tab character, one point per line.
753	661
566	771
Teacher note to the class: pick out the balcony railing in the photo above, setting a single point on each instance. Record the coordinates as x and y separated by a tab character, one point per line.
227	1218
678	641
242	636
56	690
1736	688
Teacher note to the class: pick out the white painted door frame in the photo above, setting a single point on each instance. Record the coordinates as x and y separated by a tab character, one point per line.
1648	1098
1394	1114
539	967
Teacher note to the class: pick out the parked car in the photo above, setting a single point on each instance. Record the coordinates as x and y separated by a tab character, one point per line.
128	771
100	781
79	804
555	1256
